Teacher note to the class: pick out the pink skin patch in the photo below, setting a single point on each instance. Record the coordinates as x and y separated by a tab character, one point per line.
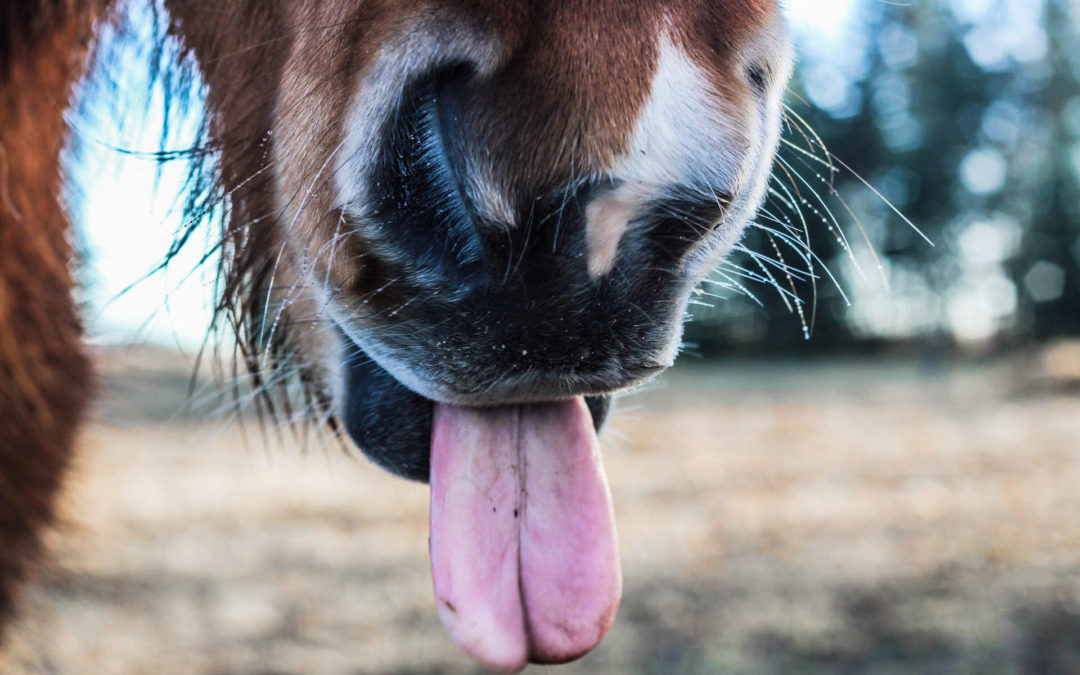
607	218
524	555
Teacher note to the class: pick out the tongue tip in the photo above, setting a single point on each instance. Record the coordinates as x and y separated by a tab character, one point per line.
554	656
494	645
543	642
554	642
508	664
558	659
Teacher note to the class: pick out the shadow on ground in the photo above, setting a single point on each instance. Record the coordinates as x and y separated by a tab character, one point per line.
825	518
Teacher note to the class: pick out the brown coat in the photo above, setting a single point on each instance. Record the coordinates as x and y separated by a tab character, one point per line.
44	374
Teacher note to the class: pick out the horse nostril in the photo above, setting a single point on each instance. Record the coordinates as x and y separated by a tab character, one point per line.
422	210
662	226
681	220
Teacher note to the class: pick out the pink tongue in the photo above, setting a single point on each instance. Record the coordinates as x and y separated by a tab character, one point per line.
524	554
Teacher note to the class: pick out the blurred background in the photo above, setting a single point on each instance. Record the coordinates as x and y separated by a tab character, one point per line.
867	459
965	117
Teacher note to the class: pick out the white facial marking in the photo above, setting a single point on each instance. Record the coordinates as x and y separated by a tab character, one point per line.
771	48
685	137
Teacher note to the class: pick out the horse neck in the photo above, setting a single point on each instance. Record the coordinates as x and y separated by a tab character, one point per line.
44	374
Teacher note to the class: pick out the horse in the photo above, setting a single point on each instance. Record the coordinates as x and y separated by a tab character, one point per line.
461	225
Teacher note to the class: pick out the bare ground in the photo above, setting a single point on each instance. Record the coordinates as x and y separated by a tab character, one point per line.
775	518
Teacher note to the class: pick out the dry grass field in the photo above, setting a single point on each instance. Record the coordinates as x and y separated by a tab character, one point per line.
833	517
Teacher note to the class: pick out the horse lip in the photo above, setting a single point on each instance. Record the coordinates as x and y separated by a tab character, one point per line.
391	423
530	387
540	387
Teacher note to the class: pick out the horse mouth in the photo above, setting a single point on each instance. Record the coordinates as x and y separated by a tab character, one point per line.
392	424
523	547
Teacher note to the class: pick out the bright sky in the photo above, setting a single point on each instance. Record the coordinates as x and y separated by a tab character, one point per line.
819	21
127	218
129	224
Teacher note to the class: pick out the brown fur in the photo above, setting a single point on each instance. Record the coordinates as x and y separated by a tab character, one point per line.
563	104
44	375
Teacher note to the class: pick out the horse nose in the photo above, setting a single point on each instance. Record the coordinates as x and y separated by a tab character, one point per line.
441	206
577	235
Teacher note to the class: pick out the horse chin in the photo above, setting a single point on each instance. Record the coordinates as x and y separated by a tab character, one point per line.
392	424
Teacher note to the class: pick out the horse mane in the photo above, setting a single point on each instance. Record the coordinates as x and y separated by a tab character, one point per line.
20	25
45	378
